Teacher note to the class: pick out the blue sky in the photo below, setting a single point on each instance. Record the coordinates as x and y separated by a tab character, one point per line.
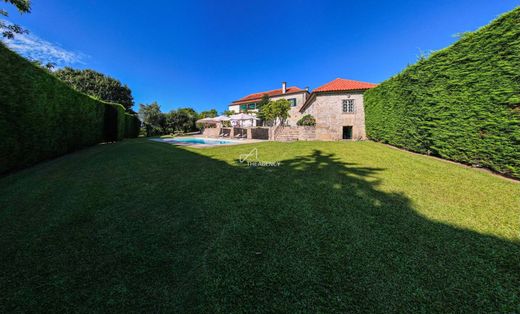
204	54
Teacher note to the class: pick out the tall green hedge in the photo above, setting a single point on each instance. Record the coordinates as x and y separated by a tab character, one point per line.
41	117
462	103
132	125
114	123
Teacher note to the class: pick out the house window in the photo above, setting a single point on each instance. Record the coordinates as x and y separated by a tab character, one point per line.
292	101
348	106
246	107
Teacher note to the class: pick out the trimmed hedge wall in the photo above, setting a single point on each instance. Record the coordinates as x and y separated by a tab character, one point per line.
132	125
114	123
462	103
41	117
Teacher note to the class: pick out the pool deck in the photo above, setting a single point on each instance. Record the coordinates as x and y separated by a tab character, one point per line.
171	140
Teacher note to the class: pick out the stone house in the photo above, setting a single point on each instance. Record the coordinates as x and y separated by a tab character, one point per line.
337	107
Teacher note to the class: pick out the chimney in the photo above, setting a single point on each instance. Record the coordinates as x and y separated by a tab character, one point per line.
284	87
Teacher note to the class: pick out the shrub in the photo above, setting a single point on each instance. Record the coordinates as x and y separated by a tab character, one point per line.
307	120
40	116
461	103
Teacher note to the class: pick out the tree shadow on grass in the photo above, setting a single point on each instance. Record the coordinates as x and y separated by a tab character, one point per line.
199	235
336	243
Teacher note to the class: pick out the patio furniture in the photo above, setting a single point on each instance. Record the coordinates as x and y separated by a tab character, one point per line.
240	134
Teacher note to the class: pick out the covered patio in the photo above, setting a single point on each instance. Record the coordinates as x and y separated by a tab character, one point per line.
238	126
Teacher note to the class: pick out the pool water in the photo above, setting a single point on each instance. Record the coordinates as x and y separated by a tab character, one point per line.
200	141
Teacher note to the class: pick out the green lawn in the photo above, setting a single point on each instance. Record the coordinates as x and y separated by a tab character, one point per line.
140	226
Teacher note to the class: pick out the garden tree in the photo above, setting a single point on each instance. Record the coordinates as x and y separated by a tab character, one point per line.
228	113
156	123
180	120
97	85
208	114
8	30
185	120
152	117
276	111
264	101
170	122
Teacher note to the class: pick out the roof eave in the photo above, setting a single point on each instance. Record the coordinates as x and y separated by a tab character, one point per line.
313	95
241	102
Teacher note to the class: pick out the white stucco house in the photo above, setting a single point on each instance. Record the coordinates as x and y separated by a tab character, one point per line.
337	107
295	95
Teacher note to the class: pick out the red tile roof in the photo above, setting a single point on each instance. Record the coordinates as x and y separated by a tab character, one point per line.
276	92
340	84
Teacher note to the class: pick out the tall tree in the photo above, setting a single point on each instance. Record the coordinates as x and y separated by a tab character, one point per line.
259	105
276	111
228	112
264	101
208	114
186	118
97	85
152	117
8	30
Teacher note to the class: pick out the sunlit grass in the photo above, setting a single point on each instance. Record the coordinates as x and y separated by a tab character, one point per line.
337	227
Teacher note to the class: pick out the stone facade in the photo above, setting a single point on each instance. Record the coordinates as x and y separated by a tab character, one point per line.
327	109
210	132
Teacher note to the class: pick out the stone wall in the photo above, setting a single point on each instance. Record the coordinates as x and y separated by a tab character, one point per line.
307	133
211	132
260	133
295	133
302	133
327	109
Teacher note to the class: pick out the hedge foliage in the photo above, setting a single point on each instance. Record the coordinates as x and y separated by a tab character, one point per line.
462	103
41	117
114	123
132	125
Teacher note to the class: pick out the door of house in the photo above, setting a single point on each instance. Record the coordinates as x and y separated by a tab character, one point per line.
347	132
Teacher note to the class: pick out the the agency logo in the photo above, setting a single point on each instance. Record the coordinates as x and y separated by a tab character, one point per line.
251	159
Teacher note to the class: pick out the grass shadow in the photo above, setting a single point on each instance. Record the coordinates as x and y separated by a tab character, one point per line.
157	228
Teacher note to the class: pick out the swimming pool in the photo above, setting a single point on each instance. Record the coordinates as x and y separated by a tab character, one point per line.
197	141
